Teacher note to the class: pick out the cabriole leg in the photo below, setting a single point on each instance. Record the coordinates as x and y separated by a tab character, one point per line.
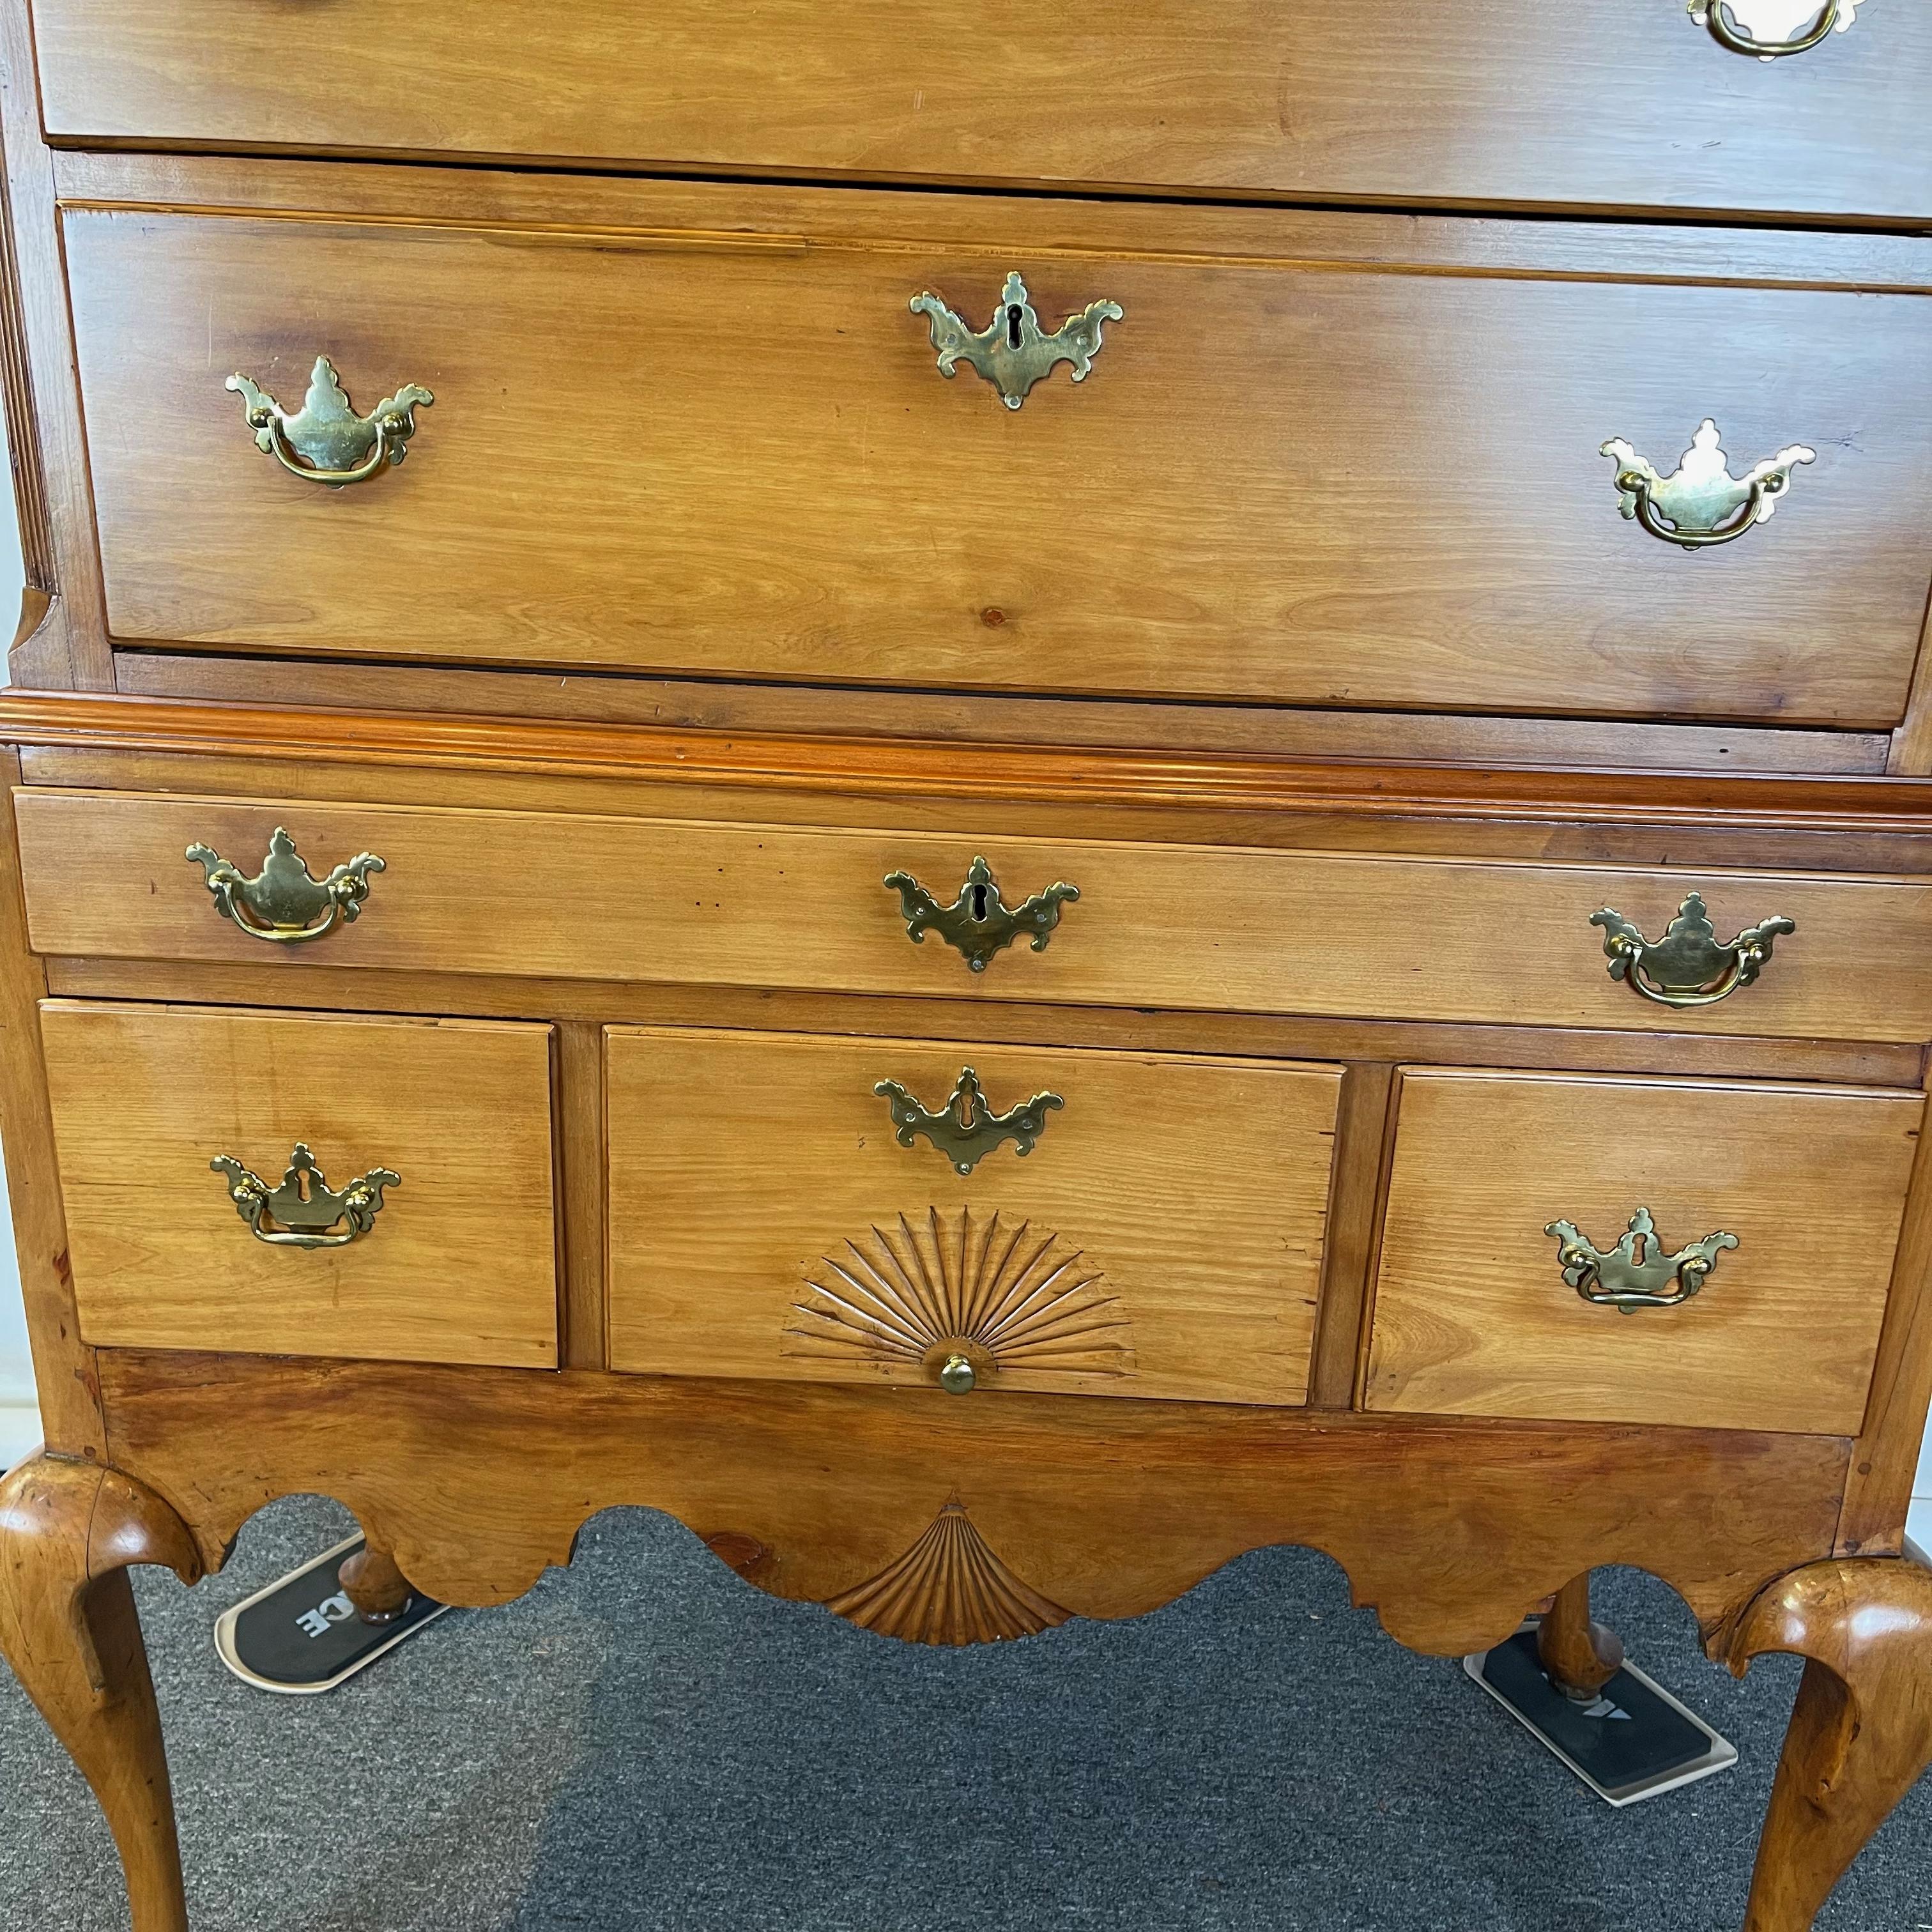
67	1626
1861	1733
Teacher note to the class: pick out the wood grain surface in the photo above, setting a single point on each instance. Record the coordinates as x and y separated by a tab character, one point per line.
1062	723
1472	1314
476	1478
459	1265
1633	105
1419	515
1179	1203
1861	1734
1212	927
60	732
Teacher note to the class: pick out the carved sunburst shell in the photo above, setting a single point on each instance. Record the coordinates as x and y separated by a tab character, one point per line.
948	1588
1004	1293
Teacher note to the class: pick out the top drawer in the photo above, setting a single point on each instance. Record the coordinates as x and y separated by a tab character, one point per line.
1635	105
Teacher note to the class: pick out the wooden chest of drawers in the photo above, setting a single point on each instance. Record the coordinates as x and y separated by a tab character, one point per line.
1228	842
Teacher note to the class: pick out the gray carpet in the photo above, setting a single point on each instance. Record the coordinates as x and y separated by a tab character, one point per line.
645	1742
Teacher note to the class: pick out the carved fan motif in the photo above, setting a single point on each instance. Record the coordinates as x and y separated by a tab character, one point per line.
1003	1293
948	1588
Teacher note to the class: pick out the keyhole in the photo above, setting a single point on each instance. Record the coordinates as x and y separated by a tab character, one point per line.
1012	326
979	902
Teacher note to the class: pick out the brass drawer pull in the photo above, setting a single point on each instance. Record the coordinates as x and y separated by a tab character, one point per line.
1701	504
1686	967
1801	24
1012	352
325	441
282	902
1636	1272
966	1129
304	1212
978	923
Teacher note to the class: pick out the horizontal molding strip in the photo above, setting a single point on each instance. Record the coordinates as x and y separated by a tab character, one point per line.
901	767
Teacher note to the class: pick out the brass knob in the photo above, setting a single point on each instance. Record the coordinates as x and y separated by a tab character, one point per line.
956	1376
1721	16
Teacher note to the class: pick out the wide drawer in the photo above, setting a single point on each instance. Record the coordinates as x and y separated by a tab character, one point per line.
1421	514
452	1258
1218	928
1144	1225
1476	1312
1632	104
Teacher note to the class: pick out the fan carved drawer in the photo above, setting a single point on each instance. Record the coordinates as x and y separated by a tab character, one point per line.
1783	1202
836	909
449	1255
1149	1225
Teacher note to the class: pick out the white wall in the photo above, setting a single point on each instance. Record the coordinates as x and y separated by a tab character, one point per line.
20	1420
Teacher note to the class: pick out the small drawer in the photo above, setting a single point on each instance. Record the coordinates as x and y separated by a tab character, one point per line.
1218	928
1136	1224
1780	1205
435	1136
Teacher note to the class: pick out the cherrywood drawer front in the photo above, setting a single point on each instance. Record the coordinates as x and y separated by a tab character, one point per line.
1473	1315
458	1264
1213	928
1421	515
1627	104
1162	1237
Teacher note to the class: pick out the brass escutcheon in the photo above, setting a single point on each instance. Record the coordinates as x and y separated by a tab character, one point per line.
1636	1272
979	923
966	1129
1786	26
283	903
1686	967
1701	504
325	441
304	1211
1012	352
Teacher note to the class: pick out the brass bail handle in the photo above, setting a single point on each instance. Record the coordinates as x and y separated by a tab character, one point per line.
1637	1273
304	1211
325	441
1722	17
1688	966
283	903
1701	505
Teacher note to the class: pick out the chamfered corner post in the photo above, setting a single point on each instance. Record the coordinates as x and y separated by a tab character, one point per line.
1861	1733
68	1531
